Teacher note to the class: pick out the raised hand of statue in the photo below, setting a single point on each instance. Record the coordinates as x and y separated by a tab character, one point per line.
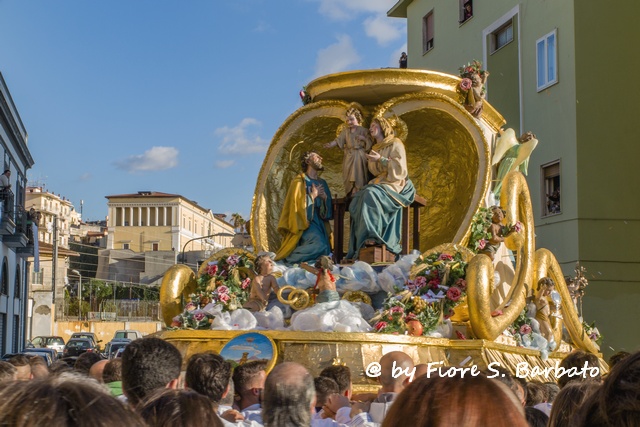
320	192
373	156
330	144
313	191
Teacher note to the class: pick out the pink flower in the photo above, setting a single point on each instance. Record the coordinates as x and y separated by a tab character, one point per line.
222	290
525	329
481	244
461	284
212	269
396	310
420	281
224	298
454	293
593	336
380	326
518	227
190	306
199	316
445	257
245	283
433	284
466	84
233	259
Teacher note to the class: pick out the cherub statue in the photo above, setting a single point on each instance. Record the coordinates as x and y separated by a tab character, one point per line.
498	232
356	143
512	154
472	86
325	282
263	286
541	301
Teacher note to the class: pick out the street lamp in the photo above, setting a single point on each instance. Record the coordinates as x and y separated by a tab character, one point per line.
223	234
79	294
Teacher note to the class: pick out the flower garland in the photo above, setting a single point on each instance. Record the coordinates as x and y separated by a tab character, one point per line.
481	229
592	332
521	329
421	305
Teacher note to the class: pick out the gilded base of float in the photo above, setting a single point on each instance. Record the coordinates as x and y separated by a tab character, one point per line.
317	350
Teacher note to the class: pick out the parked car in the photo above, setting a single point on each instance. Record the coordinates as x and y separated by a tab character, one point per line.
128	333
54	342
77	346
89	335
114	345
50	355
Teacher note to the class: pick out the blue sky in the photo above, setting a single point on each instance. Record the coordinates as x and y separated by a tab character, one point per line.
174	96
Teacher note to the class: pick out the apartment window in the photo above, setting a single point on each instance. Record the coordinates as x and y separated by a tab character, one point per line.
16	333
18	284
155	247
550	174
466	10
36	277
547	60
5	278
427	32
502	36
125	246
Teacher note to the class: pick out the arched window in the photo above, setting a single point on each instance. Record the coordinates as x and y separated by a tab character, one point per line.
17	292
5	277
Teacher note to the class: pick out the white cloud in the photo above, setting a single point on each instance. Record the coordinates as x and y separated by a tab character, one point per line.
223	164
383	29
86	176
242	139
336	57
154	159
262	27
341	10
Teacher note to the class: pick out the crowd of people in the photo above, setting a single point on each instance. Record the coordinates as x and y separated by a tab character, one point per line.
148	387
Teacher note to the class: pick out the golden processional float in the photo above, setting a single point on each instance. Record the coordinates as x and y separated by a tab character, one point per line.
449	154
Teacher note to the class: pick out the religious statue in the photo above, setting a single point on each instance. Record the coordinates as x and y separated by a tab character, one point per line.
472	86
355	141
304	220
264	287
541	301
376	210
512	154
325	282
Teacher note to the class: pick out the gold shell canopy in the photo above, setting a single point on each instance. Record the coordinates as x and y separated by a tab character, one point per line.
447	151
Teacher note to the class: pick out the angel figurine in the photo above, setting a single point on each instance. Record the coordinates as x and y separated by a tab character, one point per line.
512	154
472	86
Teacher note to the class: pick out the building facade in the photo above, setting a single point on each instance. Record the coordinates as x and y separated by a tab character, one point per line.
16	240
561	70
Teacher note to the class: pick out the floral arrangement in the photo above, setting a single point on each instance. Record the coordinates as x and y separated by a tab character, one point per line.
593	332
521	329
422	304
225	282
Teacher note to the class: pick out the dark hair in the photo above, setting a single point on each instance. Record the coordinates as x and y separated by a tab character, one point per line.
617	357
7	371
325	387
64	400
178	408
148	364
6	170
536	393
59	366
552	391
504	376
112	371
568	400
617	401
209	375
577	359
85	361
288	394
19	360
454	401
535	417
243	374
340	374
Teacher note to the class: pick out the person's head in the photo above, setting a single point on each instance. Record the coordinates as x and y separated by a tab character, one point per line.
552	391
264	265
617	357
354	116
444	401
59	366
381	128
64	400
97	369
578	359
568	400
536	393
535	417
421	369
341	375
396	371
325	387
39	368
617	401
289	396
7	173
311	159
178	408
112	371
149	364
248	380
8	372
86	361
208	374
545	286
21	363
497	214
